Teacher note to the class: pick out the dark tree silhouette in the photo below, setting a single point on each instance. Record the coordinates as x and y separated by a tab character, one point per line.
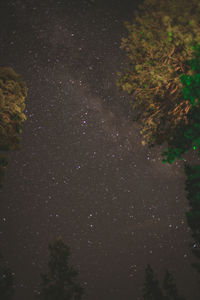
6	281
192	187
152	290
60	282
170	289
3	164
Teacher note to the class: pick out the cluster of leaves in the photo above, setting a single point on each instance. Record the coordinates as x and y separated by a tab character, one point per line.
158	47
153	291
13	91
187	135
193	216
60	282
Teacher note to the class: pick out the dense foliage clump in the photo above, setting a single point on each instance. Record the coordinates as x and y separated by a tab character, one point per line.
158	46
186	136
13	92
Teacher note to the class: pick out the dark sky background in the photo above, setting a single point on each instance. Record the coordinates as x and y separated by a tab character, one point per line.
82	172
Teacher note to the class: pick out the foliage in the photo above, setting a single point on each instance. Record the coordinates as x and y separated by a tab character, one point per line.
171	292
3	164
187	135
152	290
60	282
6	281
192	187
13	91
158	47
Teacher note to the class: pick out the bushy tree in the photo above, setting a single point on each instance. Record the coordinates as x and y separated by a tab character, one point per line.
6	281
13	91
60	282
158	47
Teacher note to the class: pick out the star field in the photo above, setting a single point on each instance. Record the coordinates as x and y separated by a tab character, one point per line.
82	172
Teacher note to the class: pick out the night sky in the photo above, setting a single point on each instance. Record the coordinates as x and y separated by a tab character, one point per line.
82	172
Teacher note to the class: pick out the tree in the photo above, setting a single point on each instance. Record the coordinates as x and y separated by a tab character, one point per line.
60	282
152	290
192	186
6	281
158	47
3	164
171	292
187	135
13	91
184	138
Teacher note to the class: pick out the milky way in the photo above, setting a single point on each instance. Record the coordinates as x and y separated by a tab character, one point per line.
82	172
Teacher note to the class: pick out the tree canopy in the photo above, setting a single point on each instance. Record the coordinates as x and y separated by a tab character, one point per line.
13	91
186	136
60	282
158	46
153	291
170	288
